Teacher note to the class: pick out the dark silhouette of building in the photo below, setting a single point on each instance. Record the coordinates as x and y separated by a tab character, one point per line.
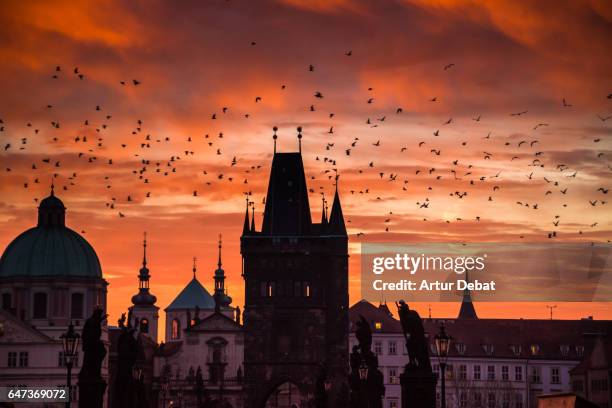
296	293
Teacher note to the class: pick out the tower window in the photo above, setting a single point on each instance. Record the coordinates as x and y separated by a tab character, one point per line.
307	289
176	329
76	306
270	289
40	306
144	325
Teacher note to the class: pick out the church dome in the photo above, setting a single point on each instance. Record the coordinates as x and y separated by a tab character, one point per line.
50	249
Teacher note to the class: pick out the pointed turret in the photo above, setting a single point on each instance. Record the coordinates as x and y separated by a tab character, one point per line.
245	227
336	219
323	211
253	219
467	310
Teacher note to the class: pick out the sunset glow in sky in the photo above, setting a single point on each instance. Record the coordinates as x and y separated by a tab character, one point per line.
512	102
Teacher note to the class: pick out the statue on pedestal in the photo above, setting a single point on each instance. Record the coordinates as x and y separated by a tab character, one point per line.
91	384
418	381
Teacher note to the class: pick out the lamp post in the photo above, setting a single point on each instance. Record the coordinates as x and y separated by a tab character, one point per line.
363	371
363	376
70	343
442	346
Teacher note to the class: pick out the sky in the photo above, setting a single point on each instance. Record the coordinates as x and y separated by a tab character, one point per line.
446	121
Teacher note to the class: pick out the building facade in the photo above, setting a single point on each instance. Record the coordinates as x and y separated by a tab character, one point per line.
200	360
296	294
50	276
505	363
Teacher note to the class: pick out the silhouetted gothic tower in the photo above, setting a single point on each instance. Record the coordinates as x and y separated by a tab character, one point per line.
296	300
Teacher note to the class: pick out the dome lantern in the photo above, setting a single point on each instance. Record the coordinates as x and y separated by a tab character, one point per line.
51	211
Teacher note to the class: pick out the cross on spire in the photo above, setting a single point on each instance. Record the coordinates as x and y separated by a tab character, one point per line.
220	245
144	250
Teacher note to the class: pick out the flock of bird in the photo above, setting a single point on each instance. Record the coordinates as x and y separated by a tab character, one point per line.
459	180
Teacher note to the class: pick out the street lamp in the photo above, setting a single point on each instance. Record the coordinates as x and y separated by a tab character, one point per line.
363	371
442	346
70	343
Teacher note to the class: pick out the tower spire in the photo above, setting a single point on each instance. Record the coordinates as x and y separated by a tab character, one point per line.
274	137
220	245
194	267
467	310
144	297
336	219
323	210
253	217
299	129
144	250
245	227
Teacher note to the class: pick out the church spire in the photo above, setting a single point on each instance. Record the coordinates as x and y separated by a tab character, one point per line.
220	246
194	269
323	210
144	251
220	295
245	227
144	298
253	218
467	310
336	219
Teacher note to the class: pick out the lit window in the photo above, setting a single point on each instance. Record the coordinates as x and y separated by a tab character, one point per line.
176	329
535	349
270	289
144	325
393	375
378	325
